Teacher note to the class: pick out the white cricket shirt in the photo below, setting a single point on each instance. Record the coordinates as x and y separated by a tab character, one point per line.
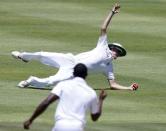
99	59
75	98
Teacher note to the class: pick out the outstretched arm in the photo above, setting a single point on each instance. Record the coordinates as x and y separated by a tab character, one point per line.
107	21
116	86
40	109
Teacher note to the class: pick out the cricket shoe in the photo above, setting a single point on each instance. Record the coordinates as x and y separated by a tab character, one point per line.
23	84
17	55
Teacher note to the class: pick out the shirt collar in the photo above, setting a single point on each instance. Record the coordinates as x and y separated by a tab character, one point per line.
109	53
79	79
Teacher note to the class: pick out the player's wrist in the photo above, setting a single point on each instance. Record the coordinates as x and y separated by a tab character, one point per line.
113	12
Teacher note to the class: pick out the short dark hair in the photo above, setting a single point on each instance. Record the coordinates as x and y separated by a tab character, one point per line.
80	70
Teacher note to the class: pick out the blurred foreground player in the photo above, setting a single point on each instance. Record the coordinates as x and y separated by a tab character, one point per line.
75	98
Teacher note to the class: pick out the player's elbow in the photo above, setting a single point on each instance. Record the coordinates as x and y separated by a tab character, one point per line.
113	84
45	104
103	30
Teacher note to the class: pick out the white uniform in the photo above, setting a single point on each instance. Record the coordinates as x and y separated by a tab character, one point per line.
97	60
71	111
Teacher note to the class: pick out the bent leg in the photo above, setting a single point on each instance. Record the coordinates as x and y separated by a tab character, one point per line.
44	83
38	82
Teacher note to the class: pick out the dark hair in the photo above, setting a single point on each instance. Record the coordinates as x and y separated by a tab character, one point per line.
80	70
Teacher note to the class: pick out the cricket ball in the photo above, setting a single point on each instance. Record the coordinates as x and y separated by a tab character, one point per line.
135	85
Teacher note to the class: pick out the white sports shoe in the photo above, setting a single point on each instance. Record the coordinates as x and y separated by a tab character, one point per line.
23	84
16	55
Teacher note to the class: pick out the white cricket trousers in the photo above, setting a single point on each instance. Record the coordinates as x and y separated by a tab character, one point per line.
64	62
68	125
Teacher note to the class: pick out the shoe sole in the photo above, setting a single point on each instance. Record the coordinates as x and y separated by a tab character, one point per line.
17	57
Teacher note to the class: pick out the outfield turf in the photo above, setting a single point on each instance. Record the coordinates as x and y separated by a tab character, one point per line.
73	26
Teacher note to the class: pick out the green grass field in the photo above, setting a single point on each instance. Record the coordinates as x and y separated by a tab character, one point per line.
74	26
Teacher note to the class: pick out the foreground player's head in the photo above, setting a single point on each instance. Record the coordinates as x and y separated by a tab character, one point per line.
117	49
80	70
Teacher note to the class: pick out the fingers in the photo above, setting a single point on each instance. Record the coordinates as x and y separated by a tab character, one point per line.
26	125
116	8
103	94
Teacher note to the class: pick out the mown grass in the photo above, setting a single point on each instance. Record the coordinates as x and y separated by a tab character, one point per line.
73	26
